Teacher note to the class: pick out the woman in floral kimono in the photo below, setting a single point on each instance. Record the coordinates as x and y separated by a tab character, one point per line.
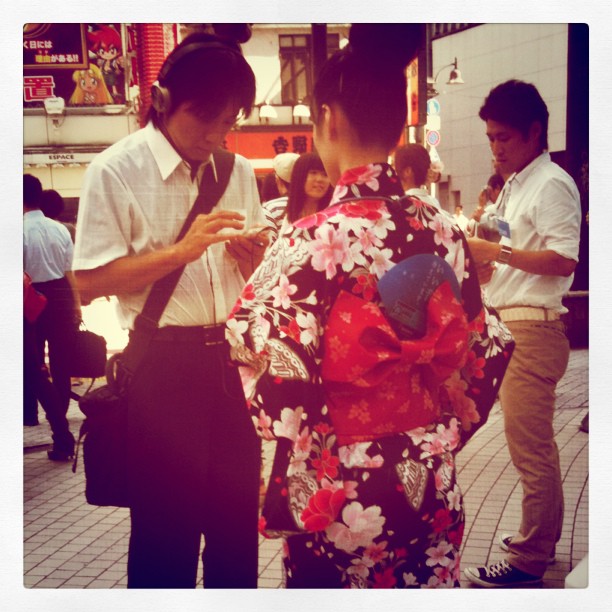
367	419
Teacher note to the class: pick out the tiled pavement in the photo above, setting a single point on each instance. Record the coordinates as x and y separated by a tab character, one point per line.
70	544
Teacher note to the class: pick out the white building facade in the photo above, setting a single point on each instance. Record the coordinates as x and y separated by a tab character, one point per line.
487	55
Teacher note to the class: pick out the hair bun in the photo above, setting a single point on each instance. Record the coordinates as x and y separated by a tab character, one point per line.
390	44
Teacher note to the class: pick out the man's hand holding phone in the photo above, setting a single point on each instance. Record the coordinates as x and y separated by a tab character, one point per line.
248	248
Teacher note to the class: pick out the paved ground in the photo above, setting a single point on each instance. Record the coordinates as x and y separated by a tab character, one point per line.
69	544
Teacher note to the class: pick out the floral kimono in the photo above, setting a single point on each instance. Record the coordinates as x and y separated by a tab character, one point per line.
367	423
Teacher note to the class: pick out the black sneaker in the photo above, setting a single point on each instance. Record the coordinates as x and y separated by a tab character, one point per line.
504	544
500	575
57	455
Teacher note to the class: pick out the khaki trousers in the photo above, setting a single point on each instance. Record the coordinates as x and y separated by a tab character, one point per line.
528	402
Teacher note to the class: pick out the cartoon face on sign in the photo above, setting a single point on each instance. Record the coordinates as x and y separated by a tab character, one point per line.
90	88
105	45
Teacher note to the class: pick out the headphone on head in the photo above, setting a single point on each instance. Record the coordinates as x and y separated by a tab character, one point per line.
161	99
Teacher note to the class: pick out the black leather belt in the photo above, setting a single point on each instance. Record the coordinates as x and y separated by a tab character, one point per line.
209	335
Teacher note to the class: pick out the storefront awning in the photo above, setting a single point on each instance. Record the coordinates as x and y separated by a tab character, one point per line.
58	156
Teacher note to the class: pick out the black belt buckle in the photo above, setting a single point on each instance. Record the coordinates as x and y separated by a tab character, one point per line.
214	335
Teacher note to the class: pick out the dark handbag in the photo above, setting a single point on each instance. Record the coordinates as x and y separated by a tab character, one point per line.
104	431
86	354
34	302
104	436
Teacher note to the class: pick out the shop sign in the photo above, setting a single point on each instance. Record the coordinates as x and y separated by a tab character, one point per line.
60	46
82	63
268	144
59	157
413	92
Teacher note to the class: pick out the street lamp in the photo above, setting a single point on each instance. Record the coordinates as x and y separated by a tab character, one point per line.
454	78
267	112
301	111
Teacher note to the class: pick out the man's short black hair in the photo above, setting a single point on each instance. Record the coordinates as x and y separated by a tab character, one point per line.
517	104
51	203
207	78
32	190
413	156
496	181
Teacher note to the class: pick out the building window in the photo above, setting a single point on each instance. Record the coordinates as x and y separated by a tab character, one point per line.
440	30
296	66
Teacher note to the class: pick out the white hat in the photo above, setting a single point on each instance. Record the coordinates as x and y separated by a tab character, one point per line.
282	164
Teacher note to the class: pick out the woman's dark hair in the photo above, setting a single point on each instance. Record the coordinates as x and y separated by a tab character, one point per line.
297	197
367	79
207	78
517	104
269	189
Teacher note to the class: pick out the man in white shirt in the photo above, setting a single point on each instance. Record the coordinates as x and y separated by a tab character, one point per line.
411	164
47	259
460	219
193	454
538	216
481	223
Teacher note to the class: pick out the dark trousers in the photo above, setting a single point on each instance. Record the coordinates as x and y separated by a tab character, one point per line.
38	388
54	327
193	469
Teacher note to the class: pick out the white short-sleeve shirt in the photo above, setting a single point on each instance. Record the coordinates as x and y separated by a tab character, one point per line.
543	210
135	197
47	247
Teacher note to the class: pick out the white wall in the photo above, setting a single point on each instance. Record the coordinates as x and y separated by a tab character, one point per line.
488	55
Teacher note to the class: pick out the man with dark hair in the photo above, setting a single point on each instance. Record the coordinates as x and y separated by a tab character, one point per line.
494	186
538	218
412	163
460	219
481	223
52	205
47	258
193	454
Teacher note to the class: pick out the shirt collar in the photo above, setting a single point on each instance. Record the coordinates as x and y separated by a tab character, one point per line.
521	177
166	156
34	213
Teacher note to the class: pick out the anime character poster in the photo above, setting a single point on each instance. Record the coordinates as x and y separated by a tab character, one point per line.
85	64
106	53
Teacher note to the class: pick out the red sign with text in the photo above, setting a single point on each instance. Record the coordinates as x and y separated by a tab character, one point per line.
268	144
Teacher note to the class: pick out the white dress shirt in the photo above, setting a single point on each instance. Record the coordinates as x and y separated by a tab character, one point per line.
47	247
543	210
461	220
135	197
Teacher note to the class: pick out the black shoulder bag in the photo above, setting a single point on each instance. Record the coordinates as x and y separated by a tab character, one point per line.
104	431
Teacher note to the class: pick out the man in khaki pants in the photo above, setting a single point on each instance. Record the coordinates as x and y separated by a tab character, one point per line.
526	276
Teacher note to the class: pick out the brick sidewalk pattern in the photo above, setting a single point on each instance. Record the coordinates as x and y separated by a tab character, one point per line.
70	544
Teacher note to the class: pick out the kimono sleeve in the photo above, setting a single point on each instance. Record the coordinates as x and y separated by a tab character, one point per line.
275	334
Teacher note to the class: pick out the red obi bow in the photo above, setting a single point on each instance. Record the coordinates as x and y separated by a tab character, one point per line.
377	384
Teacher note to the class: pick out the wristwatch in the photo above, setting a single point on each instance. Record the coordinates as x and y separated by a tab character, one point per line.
505	254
